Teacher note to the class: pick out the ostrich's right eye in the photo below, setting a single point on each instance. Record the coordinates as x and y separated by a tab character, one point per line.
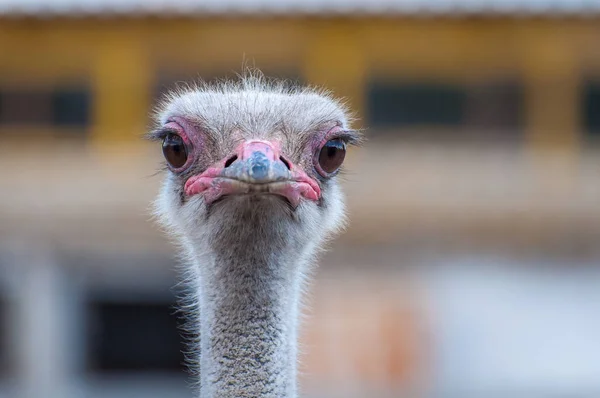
174	150
331	156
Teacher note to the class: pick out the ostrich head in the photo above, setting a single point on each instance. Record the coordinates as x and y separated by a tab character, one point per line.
251	192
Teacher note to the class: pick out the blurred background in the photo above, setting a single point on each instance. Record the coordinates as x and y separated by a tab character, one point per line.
471	265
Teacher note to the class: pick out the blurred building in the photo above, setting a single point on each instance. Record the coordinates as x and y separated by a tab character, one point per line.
483	120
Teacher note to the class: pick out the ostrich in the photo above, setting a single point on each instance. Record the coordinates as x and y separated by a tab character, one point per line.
250	194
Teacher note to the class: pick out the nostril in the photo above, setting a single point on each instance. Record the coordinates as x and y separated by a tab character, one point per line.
287	164
230	161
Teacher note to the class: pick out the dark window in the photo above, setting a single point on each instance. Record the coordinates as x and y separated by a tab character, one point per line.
591	108
25	107
134	336
407	105
58	107
495	107
71	107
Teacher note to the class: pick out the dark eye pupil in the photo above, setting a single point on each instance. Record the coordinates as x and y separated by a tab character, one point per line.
332	155
174	150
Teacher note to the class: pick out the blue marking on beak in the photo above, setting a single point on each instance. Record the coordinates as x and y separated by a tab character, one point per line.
258	169
259	166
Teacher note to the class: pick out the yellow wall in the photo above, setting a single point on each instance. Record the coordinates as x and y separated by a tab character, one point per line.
122	59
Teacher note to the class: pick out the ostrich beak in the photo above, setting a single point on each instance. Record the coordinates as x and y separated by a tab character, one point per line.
257	162
256	168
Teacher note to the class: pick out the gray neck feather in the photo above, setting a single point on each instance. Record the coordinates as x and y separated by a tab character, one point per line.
250	278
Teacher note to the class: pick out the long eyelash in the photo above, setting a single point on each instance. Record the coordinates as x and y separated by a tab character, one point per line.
350	137
159	134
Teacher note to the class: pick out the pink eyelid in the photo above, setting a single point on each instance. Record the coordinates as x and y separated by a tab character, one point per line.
331	134
172	125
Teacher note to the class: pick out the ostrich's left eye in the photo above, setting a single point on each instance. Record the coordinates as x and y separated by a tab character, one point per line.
174	150
332	156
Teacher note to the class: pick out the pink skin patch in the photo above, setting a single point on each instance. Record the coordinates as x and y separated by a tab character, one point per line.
285	179
270	149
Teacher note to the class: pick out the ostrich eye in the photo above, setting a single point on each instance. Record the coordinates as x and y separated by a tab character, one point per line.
332	155
174	150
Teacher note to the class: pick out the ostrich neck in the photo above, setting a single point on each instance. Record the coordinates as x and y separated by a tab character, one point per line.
248	299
